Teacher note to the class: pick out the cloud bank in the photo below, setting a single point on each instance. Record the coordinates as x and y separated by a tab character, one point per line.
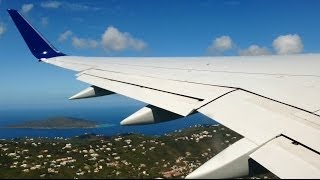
254	50
51	4
284	44
112	40
68	5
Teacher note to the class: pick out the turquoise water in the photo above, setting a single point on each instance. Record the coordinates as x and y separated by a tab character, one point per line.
105	125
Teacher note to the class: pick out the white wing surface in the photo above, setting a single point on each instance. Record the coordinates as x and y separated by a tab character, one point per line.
265	99
273	101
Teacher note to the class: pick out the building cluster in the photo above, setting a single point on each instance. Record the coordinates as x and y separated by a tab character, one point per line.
115	156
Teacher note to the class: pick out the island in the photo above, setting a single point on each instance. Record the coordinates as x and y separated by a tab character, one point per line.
120	156
56	123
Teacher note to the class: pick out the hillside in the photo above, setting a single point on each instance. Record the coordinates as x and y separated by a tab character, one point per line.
121	156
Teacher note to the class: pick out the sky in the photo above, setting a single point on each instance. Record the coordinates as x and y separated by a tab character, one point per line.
142	28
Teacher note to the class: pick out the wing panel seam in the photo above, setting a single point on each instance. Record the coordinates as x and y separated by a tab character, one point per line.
203	70
299	143
214	85
280	102
199	99
216	98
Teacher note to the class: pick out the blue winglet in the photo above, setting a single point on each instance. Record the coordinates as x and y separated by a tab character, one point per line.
37	44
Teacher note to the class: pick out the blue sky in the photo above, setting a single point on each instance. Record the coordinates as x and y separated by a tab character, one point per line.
142	28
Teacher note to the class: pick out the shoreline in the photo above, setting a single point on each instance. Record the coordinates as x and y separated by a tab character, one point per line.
98	133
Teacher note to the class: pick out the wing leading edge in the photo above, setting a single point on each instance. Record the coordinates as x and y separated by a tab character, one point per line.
273	101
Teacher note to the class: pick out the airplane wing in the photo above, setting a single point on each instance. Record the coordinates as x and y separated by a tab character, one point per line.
272	101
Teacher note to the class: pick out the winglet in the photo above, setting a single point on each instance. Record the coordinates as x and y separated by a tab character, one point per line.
37	44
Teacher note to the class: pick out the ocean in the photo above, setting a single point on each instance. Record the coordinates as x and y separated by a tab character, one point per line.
109	117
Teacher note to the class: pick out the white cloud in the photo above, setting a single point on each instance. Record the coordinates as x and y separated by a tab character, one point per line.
67	5
288	44
84	43
44	21
114	40
77	6
254	50
64	36
51	4
80	7
221	44
26	8
2	29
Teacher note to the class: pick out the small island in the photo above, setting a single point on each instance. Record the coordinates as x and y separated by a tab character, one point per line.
56	123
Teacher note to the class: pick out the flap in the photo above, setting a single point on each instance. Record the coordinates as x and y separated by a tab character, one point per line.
260	119
289	160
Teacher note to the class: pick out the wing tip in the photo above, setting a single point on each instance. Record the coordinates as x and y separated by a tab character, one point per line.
38	45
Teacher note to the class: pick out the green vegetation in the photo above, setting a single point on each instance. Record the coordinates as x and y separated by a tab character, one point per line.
123	156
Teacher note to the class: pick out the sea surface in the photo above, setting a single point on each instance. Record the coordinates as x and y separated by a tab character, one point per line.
109	118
